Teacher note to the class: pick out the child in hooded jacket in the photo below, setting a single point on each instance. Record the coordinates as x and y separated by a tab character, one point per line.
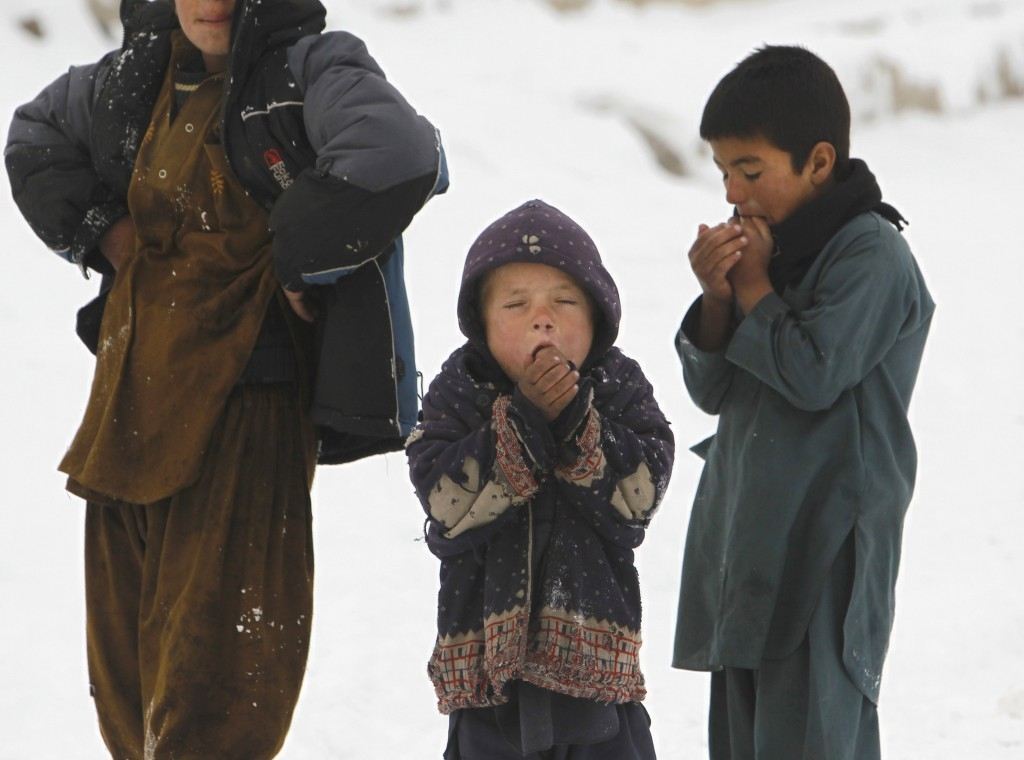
540	460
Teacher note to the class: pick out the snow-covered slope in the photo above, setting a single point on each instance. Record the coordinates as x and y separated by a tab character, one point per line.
570	106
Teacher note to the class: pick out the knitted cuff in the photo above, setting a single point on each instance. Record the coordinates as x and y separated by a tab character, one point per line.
533	431
589	459
509	451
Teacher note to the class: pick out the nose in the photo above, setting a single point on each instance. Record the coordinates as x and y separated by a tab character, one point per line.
734	191
542	319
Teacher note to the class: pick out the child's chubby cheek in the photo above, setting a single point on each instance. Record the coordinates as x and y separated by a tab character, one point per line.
513	356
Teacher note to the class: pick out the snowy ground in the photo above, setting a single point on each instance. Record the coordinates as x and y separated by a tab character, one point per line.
536	103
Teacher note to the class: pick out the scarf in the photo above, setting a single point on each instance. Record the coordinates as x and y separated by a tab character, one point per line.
802	236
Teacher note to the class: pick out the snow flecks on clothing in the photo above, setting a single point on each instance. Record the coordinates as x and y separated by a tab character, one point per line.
557	596
119	340
149	748
182	200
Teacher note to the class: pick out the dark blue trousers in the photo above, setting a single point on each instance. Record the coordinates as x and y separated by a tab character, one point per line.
537	724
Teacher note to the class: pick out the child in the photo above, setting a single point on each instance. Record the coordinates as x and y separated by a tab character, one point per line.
540	460
806	343
168	162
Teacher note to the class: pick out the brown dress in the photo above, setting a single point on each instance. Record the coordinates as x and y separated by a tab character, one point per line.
183	314
199	555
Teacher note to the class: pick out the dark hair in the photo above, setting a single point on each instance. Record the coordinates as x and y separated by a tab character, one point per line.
787	95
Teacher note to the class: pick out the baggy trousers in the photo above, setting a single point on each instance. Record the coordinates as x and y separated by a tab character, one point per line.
801	707
475	734
199	606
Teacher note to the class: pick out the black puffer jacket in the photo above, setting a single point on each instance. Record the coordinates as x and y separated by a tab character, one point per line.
315	133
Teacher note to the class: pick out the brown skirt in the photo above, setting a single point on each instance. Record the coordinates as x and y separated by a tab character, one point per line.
199	606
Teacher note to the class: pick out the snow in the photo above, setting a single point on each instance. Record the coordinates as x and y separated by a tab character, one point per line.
535	103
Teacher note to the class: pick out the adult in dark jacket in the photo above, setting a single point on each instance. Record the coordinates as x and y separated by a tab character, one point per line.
164	166
539	480
806	343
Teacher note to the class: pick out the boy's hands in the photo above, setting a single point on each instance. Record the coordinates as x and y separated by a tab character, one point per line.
713	255
550	382
749	275
730	261
716	251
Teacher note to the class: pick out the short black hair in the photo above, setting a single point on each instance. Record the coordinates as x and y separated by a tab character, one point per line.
787	95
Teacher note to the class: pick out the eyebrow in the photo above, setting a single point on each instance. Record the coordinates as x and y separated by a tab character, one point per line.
741	161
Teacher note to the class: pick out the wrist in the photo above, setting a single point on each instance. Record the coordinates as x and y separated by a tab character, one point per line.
715	306
750	293
713	326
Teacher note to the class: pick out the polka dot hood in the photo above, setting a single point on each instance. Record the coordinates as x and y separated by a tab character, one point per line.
538	233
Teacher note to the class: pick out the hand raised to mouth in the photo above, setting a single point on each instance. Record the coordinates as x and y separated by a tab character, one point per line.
550	381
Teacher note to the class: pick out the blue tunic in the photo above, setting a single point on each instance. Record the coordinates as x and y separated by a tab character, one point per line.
813	443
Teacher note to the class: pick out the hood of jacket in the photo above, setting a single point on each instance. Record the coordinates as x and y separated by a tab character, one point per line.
122	112
261	25
538	233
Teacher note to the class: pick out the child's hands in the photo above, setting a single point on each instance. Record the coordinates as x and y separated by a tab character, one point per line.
749	275
713	254
757	253
550	382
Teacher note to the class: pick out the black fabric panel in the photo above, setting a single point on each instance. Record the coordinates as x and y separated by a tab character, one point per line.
355	389
122	110
354	402
322	223
87	323
339	448
267	150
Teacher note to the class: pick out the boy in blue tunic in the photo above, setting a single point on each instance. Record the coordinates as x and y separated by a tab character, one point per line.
806	343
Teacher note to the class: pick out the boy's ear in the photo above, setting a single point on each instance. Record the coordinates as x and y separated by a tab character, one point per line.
821	162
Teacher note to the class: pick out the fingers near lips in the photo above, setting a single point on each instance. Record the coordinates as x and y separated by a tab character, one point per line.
544	346
724	241
550	368
755	223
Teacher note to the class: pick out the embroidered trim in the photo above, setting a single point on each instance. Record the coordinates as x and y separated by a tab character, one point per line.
569	654
468	670
585	645
509	453
591	458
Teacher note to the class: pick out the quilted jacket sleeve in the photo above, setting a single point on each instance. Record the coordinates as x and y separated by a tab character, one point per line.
615	467
465	462
378	161
53	180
